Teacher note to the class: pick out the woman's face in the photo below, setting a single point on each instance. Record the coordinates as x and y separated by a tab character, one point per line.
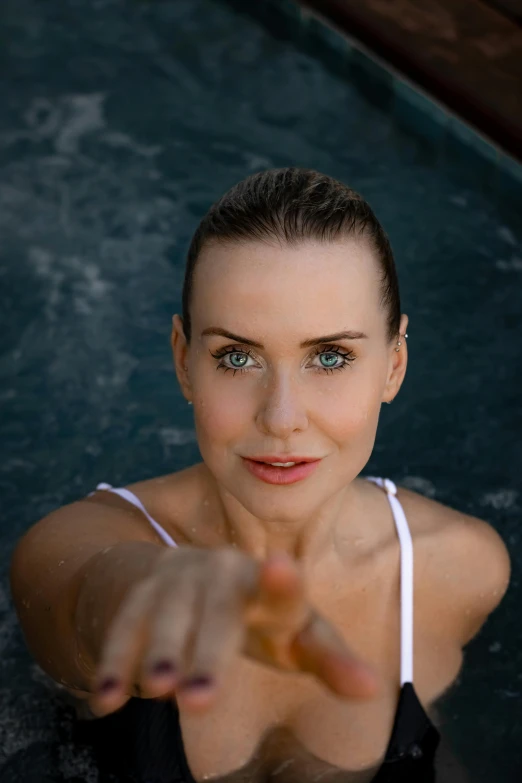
288	361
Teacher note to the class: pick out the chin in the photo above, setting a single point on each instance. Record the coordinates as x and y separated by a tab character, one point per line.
286	505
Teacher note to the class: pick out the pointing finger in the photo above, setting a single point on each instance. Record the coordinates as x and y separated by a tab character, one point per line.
318	649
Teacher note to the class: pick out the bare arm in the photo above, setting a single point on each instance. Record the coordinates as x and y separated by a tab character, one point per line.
50	569
481	561
109	611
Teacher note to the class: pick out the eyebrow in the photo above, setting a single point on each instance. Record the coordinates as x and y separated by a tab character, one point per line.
329	338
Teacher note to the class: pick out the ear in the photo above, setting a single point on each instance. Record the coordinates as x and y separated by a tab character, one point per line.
397	363
180	354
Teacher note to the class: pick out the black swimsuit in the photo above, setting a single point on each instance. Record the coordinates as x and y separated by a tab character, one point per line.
142	742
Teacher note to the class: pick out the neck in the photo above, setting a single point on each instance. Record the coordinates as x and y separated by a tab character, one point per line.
307	540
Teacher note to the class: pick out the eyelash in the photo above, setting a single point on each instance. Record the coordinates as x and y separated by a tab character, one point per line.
347	356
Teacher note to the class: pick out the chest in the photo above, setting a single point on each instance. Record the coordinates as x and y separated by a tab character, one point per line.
269	723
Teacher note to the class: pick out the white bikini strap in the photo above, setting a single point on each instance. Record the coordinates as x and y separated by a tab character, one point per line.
406	545
131	498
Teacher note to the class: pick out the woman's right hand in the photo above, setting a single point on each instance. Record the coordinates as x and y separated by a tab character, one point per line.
177	631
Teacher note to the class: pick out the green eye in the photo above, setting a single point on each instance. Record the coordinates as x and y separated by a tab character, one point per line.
229	359
329	360
333	358
238	360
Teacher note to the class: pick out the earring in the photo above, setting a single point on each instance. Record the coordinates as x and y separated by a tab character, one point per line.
189	402
399	342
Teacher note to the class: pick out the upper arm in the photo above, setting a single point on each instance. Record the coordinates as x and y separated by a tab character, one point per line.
62	542
46	569
476	575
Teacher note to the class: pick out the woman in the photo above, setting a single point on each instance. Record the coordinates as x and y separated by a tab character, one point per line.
251	618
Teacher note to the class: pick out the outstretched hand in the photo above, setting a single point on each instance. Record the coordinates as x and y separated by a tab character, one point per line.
178	631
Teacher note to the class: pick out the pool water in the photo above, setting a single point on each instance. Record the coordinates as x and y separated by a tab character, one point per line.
121	122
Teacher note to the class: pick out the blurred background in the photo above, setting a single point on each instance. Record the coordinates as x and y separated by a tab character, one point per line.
121	122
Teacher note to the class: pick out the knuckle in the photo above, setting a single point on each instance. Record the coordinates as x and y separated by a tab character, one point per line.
139	595
166	635
114	653
227	560
127	616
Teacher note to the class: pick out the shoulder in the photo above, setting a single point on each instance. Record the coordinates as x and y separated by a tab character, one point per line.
177	501
172	500
462	560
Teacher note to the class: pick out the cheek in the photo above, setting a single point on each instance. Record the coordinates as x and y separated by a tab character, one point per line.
352	409
350	423
221	409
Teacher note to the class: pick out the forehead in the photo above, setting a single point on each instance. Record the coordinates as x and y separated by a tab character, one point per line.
310	288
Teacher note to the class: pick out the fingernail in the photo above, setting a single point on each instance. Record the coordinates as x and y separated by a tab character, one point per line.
196	683
162	668
108	685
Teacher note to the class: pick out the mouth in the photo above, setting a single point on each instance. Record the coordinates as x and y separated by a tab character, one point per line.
281	470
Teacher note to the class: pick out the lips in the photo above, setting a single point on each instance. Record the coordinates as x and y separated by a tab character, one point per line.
277	474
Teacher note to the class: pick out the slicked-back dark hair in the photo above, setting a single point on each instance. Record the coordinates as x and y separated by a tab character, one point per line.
293	205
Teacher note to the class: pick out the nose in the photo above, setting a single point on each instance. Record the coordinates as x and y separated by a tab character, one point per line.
282	410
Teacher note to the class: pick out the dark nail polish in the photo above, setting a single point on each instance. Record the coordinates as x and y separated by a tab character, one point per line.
163	668
197	683
108	685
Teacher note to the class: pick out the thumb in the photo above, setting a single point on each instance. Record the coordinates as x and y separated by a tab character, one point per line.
281	599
